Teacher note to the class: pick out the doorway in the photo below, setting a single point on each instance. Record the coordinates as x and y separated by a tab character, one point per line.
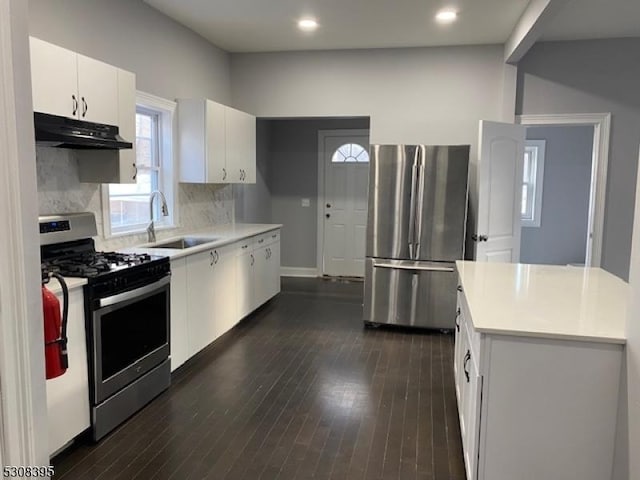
343	179
599	128
555	198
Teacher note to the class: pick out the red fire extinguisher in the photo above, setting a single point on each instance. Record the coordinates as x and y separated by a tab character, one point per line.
55	329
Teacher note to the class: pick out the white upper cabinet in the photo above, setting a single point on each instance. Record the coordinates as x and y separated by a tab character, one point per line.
54	79
241	146
98	91
217	143
70	85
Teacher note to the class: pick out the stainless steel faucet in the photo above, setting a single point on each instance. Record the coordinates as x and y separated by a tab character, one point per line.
151	231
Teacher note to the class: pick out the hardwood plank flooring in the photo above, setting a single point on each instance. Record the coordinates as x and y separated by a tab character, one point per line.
298	390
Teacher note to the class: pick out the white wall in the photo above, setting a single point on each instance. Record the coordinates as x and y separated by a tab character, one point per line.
411	95
594	77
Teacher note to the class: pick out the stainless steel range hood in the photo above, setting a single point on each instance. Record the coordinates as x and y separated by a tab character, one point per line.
63	132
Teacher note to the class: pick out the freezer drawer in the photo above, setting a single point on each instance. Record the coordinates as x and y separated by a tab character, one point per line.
403	292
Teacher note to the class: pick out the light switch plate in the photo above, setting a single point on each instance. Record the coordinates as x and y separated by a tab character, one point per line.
306	202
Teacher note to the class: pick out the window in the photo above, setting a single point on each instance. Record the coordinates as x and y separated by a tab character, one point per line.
127	205
533	175
350	152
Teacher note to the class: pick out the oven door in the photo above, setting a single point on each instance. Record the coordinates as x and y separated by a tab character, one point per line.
130	336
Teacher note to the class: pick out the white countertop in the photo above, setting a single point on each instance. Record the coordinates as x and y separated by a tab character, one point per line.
72	282
547	301
225	234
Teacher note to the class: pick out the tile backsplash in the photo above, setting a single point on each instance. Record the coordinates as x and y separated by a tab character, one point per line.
60	191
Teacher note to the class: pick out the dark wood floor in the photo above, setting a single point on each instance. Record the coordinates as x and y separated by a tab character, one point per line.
298	390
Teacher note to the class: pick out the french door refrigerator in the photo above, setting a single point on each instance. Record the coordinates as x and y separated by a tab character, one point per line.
415	233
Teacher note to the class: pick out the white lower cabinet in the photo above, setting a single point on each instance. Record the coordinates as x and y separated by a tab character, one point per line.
68	395
245	278
535	408
211	306
179	338
213	290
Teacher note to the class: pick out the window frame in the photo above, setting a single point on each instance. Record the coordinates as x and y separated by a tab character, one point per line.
167	178
538	148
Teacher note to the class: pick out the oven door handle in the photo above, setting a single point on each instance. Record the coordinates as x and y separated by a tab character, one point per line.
123	297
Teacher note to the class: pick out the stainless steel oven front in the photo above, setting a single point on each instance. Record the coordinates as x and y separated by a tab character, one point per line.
130	336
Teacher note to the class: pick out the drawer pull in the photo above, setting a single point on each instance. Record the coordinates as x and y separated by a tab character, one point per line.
458	312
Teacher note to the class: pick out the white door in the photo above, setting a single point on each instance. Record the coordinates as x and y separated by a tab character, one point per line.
500	164
346	180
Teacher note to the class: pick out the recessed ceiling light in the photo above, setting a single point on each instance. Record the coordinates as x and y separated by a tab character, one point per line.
446	15
307	24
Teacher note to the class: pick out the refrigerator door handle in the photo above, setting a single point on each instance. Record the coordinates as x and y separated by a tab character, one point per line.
412	210
417	221
414	267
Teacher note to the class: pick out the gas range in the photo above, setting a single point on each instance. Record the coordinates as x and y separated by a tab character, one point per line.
127	315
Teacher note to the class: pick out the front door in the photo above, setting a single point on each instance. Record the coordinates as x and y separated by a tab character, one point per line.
346	177
500	164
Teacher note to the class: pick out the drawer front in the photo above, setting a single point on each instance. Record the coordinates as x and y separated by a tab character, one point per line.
246	245
268	238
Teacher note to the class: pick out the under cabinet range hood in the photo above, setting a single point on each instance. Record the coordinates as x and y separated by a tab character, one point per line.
63	132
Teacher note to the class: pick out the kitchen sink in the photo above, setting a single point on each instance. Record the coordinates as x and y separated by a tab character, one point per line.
185	242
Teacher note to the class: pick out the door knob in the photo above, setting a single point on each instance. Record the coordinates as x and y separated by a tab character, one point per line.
328	215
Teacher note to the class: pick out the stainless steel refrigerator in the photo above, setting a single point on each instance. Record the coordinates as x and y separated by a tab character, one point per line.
415	232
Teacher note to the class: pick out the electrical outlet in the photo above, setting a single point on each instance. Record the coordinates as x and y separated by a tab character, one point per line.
306	202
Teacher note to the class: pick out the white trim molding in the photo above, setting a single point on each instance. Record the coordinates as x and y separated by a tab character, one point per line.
299	272
23	438
601	123
322	134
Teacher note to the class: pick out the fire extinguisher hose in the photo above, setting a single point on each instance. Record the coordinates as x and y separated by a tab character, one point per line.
65	314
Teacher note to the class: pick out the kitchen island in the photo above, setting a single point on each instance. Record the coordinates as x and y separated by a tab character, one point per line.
538	360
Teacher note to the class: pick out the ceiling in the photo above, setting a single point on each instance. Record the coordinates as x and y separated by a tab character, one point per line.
590	19
270	25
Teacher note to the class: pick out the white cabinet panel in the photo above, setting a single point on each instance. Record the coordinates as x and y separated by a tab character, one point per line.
225	309
215	135
200	303
98	90
179	325
246	281
68	395
260	275
54	79
127	170
274	269
241	146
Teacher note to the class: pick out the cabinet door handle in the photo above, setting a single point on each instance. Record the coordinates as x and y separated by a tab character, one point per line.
75	105
135	172
275	235
261	240
211	261
245	247
459	288
85	107
253	260
224	173
217	256
458	312
467	357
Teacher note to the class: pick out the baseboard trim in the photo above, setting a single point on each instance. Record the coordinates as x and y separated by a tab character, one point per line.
298	272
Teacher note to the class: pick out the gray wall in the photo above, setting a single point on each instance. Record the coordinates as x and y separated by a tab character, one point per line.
293	175
168	59
594	77
561	237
